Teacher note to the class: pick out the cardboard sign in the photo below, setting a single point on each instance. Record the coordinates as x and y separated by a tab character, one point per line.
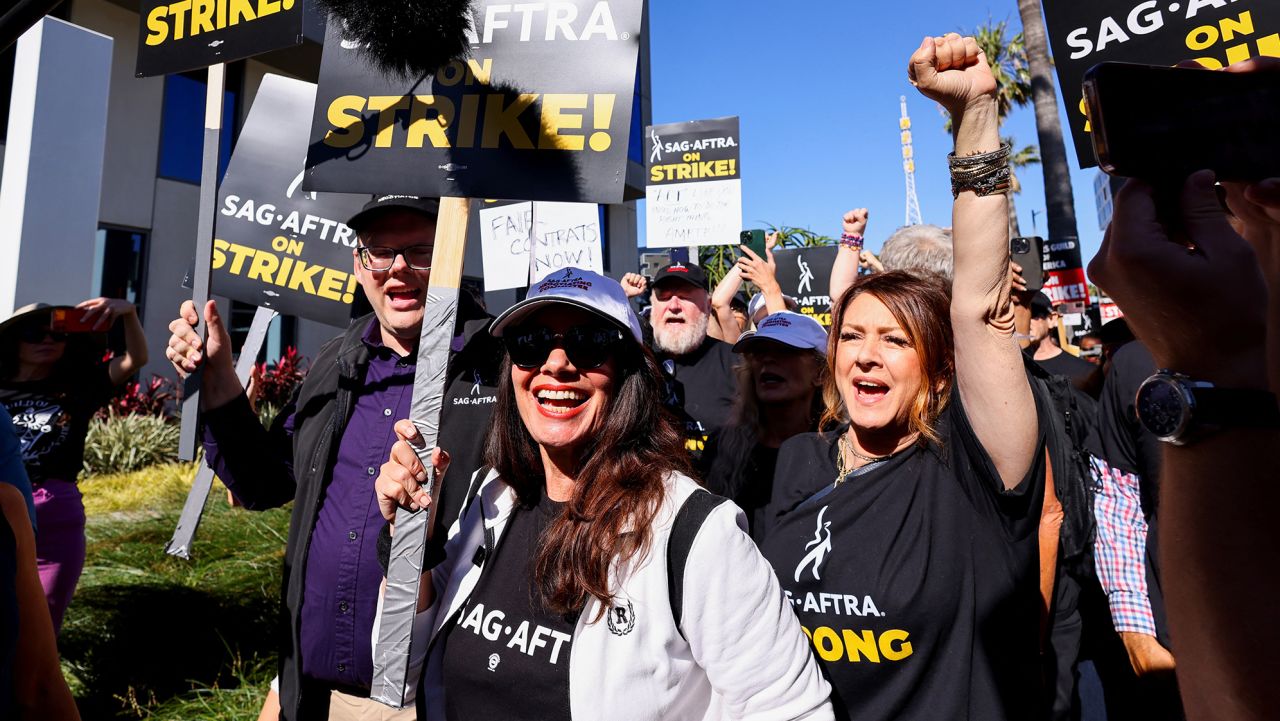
1217	33
276	245
694	188
805	274
541	110
190	34
568	234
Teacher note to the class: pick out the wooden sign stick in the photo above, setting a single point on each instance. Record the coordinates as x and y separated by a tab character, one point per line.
189	521
413	529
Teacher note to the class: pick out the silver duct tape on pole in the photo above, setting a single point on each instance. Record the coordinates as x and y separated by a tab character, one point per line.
391	650
204	250
189	521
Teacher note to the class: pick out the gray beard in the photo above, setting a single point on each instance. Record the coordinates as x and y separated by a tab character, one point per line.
680	339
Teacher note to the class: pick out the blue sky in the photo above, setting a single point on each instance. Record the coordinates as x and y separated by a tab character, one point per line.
816	86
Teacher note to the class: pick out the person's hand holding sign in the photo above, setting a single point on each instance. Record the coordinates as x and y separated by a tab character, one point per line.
399	484
187	353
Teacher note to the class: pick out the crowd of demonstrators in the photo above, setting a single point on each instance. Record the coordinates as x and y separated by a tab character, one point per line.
52	382
780	382
908	517
325	447
579	517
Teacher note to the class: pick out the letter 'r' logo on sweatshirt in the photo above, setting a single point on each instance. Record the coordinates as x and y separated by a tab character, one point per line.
621	618
819	547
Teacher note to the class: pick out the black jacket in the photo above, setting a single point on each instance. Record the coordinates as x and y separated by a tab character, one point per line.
271	469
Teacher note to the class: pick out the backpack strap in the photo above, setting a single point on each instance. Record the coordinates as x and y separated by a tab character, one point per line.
684	529
473	489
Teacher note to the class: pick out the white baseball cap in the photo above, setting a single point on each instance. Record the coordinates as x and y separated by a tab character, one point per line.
579	288
757	304
794	329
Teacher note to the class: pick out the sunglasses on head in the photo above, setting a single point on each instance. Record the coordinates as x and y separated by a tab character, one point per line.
37	333
586	346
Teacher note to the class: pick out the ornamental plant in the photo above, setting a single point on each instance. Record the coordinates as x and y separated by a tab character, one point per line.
275	383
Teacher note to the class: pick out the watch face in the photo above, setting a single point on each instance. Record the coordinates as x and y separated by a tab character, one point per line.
1162	407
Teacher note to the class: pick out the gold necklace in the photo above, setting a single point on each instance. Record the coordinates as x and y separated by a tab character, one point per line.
843	471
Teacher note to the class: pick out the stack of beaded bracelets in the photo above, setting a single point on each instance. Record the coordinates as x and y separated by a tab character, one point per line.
984	174
852	241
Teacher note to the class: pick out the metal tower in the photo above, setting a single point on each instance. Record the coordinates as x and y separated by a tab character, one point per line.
909	165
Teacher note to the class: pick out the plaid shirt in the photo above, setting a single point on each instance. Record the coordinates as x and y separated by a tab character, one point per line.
1121	546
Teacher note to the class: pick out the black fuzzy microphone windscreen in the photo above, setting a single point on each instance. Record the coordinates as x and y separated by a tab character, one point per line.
405	38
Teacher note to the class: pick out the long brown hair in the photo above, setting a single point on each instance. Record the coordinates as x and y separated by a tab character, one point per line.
619	489
921	303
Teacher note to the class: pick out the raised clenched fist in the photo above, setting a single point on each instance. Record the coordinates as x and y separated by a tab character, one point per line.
952	71
855	221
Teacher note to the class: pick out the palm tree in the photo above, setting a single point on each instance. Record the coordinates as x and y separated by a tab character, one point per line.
1059	201
793	237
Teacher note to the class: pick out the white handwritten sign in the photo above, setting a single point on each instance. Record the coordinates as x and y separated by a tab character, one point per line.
567	234
694	190
705	213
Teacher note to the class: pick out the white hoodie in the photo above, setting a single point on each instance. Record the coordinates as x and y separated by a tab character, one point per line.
745	656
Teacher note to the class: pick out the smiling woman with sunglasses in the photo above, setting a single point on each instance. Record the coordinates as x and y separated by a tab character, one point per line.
582	581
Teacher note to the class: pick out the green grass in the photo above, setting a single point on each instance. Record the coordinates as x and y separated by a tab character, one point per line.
156	637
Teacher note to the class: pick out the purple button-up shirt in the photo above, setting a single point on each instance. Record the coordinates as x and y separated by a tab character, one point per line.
340	593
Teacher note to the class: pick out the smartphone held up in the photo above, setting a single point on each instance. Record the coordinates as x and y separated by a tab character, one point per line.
1161	123
70	320
753	239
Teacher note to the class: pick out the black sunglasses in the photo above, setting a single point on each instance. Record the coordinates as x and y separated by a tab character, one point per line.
37	333
587	346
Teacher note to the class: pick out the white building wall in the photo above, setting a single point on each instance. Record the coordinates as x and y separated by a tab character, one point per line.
133	119
53	176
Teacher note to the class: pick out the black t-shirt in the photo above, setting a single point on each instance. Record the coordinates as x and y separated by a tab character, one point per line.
465	419
1125	443
701	390
505	656
1065	364
741	469
52	417
917	580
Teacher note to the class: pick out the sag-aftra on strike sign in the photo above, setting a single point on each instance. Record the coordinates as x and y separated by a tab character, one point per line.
540	109
189	34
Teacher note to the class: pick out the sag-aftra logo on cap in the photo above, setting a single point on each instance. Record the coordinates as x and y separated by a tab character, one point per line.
568	280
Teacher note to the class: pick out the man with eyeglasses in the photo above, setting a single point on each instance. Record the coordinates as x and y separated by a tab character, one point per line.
324	451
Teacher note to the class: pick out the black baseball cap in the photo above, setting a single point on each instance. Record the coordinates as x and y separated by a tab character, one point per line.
685	273
1041	306
429	207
